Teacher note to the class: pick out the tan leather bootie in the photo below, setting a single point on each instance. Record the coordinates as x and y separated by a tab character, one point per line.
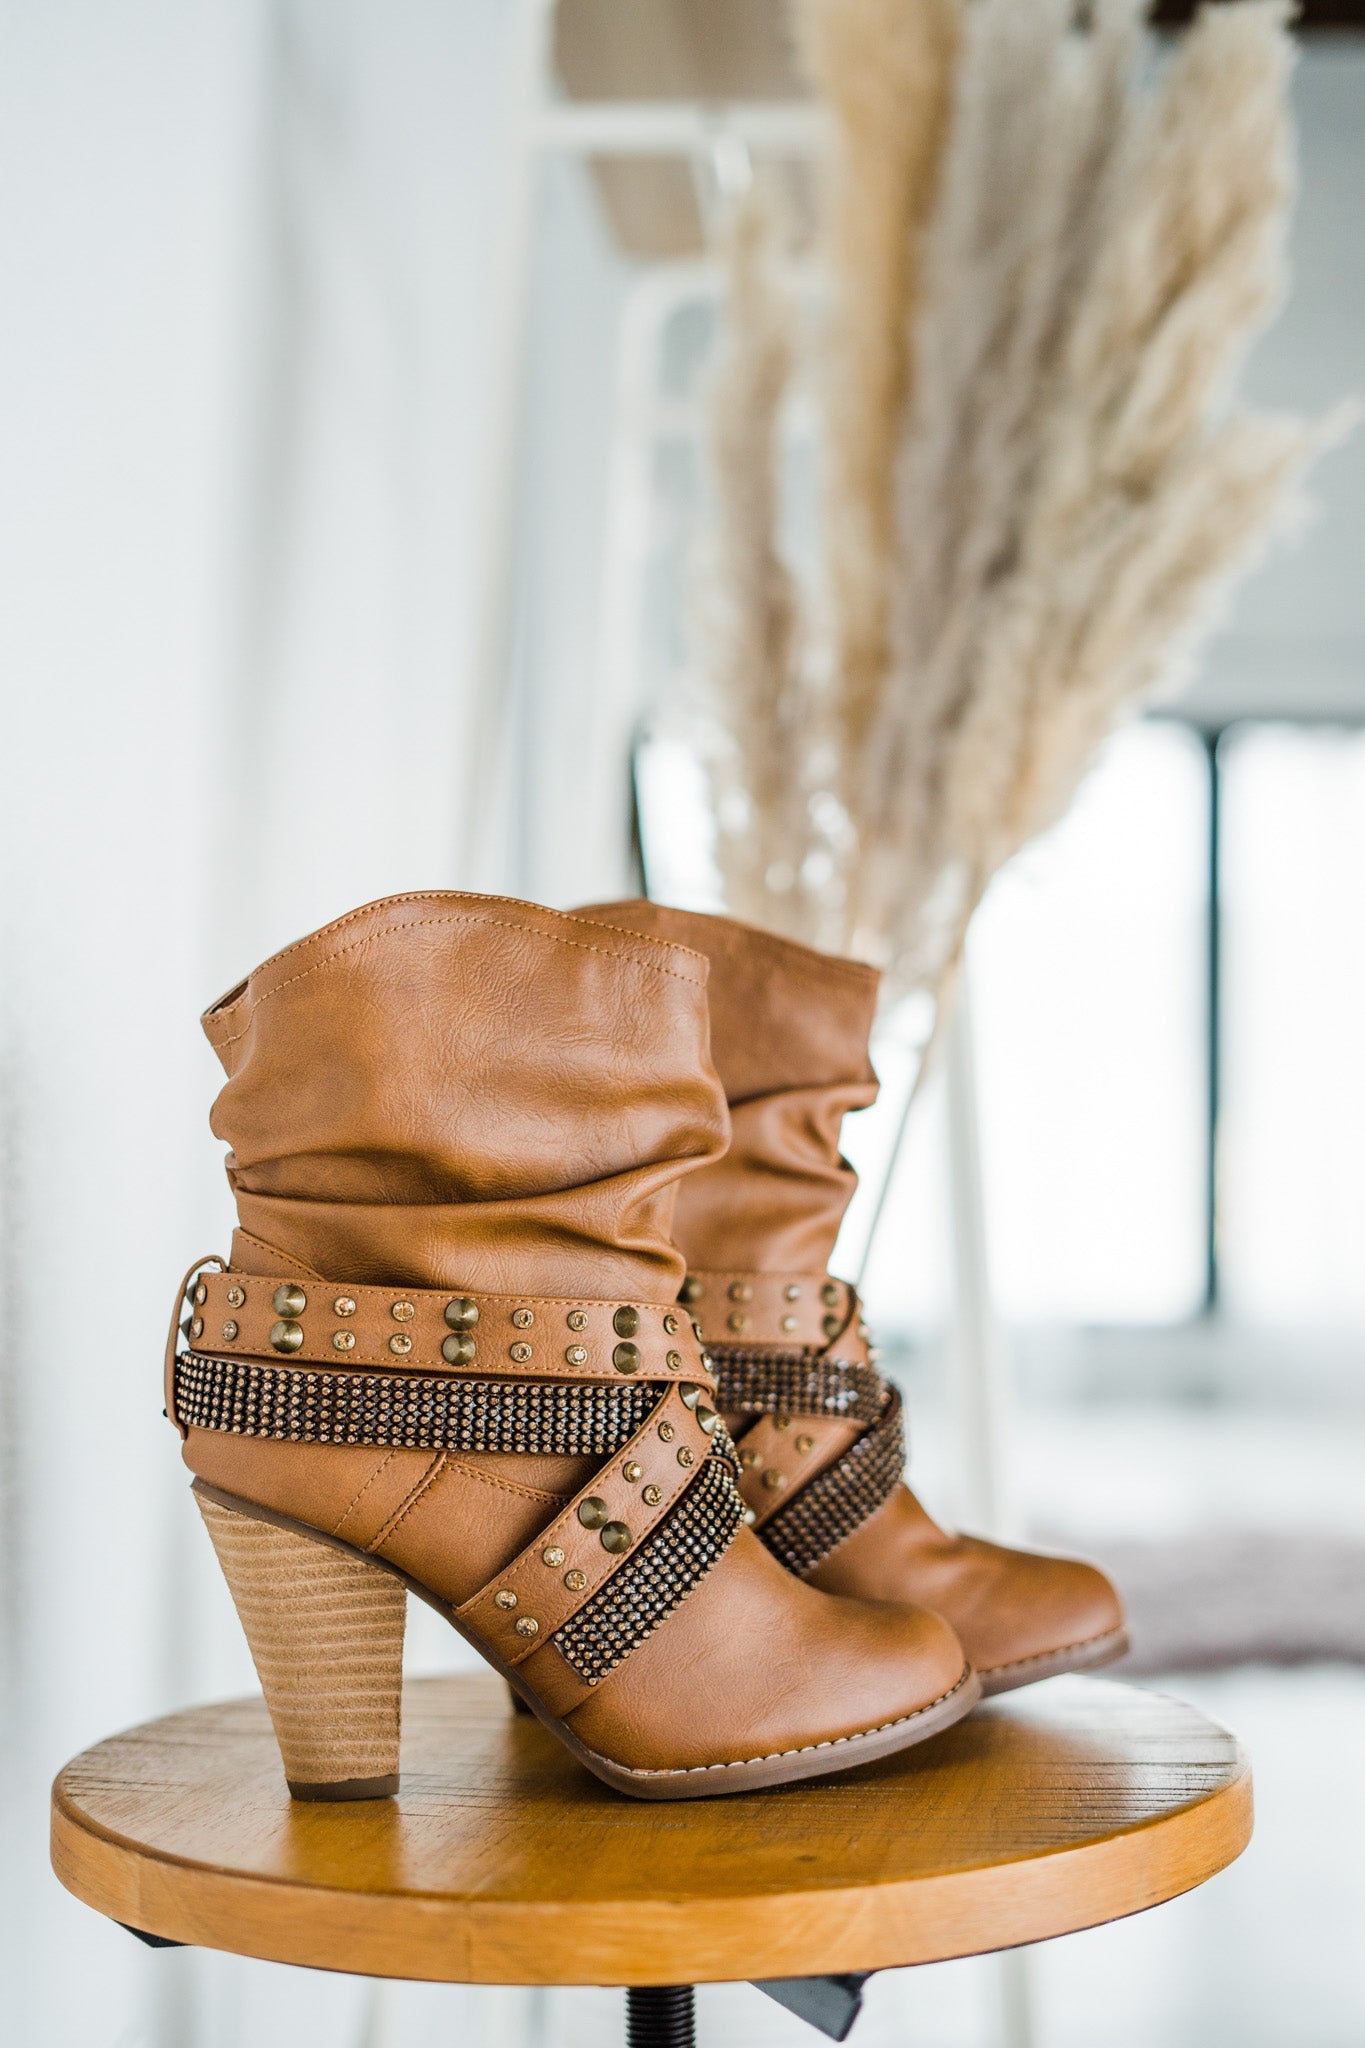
448	1356
818	1429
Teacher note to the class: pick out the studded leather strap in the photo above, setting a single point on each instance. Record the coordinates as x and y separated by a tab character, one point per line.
825	1450
792	1309
415	1329
842	1497
781	1453
655	1579
571	1559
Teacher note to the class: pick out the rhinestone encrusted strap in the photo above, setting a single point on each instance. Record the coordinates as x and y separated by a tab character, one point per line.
655	1580
841	1498
580	1550
652	1579
408	1411
796	1383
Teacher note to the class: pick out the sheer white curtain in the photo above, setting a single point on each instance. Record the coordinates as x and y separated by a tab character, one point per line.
246	254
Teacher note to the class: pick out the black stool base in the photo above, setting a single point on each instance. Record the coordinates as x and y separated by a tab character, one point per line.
661	2016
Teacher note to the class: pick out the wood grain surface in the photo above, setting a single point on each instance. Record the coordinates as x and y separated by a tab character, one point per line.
502	1862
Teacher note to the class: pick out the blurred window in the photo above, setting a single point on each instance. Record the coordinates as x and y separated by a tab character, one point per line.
1089	970
1292	1165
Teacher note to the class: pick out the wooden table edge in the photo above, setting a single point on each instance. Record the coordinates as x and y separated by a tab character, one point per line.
432	1937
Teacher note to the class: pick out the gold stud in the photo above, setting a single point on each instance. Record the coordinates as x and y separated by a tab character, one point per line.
686	1456
691	1289
528	1626
343	1306
631	1471
675	1361
290	1301
519	1353
667	1432
577	1319
343	1340
400	1343
229	1330
773	1480
804	1444
402	1311
707	1417
651	1496
592	1512
698	1333
740	1290
829	1294
553	1556
616	1537
236	1297
575	1581
626	1358
749	1518
626	1321
782	1422
286	1336
748	1458
576	1355
690	1393
832	1326
458	1350
462	1314
793	1292
523	1318
506	1599
738	1321
789	1323
201	1295
197	1327
670	1325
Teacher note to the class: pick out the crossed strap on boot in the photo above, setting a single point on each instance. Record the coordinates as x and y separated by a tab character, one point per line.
623	1382
819	1432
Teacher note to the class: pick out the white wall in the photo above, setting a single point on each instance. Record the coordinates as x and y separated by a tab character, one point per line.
247	253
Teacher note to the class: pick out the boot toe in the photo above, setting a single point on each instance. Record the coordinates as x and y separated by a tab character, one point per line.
1050	1614
756	1664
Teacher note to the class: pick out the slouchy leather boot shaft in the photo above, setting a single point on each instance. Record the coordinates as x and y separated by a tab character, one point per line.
789	1037
463	1091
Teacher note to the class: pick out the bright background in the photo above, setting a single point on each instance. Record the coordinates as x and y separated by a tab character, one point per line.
252	255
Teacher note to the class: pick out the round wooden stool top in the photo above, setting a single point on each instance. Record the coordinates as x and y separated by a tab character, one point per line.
503	1863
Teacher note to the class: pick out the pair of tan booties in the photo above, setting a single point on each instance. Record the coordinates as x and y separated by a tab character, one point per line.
529	1313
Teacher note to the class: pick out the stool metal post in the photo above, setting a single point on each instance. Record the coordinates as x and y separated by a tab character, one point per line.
661	2016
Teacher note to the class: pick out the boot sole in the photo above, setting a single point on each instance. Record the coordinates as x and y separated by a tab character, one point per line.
697	1781
1086	1656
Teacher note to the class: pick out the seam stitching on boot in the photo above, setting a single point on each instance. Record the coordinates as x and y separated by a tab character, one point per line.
433	1472
290	1265
416	924
352	1505
1041	1656
416	896
510	1486
802	1749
